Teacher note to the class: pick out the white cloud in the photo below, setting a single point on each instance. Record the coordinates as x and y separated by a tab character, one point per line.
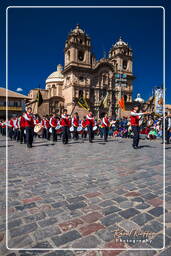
19	90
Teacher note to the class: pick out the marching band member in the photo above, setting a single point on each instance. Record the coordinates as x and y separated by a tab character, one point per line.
21	124
47	127
65	123
3	127
43	121
75	123
10	125
53	123
29	126
84	125
135	117
105	125
16	129
90	125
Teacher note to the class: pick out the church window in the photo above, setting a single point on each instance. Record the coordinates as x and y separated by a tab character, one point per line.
80	93
124	64
81	55
81	78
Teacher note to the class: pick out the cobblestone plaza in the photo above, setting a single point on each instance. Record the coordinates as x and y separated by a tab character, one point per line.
79	195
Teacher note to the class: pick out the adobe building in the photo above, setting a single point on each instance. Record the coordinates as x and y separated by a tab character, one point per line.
16	103
85	76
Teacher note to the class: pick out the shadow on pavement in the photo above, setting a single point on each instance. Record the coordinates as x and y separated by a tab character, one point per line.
43	145
4	146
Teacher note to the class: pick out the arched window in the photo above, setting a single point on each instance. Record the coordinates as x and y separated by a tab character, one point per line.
81	55
124	64
80	93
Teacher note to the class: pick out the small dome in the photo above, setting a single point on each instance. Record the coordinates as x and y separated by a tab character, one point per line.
56	76
120	43
139	99
78	30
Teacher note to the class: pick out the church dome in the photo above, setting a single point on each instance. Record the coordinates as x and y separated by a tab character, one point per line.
78	30
56	76
139	99
120	43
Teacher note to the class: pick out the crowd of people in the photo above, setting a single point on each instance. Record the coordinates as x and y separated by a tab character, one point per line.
26	127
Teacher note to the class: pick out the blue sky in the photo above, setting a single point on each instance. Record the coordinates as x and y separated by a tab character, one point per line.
37	37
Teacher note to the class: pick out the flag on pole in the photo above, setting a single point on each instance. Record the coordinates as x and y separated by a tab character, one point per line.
105	101
39	98
82	102
122	103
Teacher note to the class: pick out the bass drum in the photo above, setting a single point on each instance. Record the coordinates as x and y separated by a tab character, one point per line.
38	129
71	129
50	129
86	129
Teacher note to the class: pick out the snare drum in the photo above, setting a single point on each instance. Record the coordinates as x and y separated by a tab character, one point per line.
95	128
50	130
71	129
59	129
79	129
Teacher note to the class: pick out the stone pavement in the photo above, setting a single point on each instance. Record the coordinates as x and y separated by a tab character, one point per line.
85	195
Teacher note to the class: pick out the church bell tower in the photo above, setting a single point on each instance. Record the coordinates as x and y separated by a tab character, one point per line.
77	67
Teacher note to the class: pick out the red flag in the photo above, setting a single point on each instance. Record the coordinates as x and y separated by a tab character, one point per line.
122	103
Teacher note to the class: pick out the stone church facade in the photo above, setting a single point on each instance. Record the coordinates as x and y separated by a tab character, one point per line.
85	76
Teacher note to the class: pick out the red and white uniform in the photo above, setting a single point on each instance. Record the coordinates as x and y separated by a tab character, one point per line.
11	123
15	122
135	117
53	122
29	122
36	121
43	122
90	120
46	124
65	120
75	121
105	122
84	123
21	122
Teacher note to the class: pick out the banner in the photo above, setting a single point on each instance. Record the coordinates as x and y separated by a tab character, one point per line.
158	101
83	103
105	102
121	103
39	98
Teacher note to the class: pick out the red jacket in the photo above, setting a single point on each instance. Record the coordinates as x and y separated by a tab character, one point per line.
22	122
90	120
83	123
53	122
11	123
105	122
75	121
65	121
29	122
134	120
46	124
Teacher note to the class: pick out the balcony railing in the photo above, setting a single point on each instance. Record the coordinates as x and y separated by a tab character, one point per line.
11	108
